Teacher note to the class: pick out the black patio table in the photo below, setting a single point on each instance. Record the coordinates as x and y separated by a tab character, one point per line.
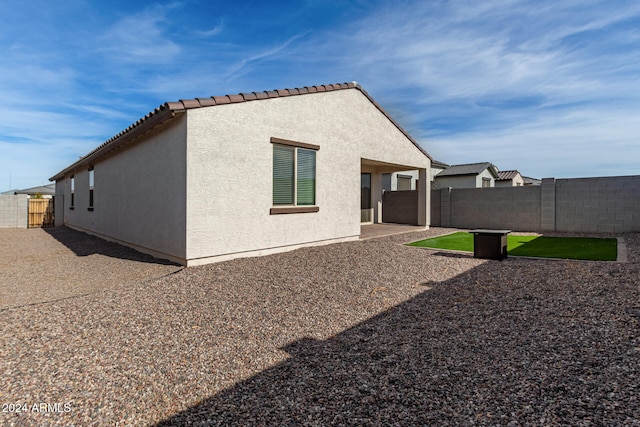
490	244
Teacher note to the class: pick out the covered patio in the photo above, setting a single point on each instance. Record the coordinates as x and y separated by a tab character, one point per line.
372	189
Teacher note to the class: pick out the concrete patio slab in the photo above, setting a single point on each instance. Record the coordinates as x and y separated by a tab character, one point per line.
386	229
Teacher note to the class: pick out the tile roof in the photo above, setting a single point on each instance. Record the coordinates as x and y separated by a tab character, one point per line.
466	169
48	189
169	110
507	175
437	164
531	181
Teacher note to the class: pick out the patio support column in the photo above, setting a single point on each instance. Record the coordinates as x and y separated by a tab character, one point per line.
376	196
423	198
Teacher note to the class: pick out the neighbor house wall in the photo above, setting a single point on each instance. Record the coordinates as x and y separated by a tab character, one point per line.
14	211
593	205
394	179
139	194
455	181
485	174
230	164
517	181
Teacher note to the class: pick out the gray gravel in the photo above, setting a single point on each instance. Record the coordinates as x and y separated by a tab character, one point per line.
361	333
39	265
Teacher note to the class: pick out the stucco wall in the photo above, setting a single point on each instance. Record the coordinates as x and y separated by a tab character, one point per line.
394	179
230	170
517	181
485	174
14	211
139	194
459	181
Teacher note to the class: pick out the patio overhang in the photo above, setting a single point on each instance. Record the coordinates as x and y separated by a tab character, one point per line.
371	198
368	165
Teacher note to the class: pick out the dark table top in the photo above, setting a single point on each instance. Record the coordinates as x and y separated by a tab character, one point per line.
487	231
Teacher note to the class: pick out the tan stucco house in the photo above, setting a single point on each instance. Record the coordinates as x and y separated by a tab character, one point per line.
510	178
210	179
471	175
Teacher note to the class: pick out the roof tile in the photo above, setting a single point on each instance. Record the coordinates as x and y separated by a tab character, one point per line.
236	98
249	96
190	103
222	100
507	175
206	102
174	105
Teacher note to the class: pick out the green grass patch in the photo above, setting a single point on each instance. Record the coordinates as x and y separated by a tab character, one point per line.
585	248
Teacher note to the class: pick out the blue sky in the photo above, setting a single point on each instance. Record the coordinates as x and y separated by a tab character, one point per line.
546	87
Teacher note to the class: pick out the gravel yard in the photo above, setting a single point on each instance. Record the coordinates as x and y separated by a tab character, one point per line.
39	265
361	333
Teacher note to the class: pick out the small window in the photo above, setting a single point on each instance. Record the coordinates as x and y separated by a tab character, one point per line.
73	189
91	189
486	182
404	182
294	177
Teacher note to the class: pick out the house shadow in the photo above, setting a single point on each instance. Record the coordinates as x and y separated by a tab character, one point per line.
83	244
455	354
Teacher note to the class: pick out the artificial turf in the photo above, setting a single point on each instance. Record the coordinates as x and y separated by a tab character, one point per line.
584	248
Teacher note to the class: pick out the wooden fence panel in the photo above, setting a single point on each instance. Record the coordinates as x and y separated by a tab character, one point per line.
40	213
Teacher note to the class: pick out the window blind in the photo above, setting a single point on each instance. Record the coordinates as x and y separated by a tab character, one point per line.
306	177
283	175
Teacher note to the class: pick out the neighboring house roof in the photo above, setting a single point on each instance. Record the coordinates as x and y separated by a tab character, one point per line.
169	110
531	181
507	175
49	189
468	169
8	193
439	165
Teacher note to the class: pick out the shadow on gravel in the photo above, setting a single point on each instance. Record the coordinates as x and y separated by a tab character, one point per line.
83	244
473	350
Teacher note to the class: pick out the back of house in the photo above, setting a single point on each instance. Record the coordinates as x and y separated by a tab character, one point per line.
210	179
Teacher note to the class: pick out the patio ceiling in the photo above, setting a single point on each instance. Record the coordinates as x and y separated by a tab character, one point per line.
383	167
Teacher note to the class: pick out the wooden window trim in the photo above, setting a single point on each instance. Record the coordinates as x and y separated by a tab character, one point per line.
290	143
293	210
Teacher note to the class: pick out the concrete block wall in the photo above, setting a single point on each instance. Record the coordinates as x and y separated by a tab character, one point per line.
593	205
509	207
400	207
548	204
14	211
603	205
436	210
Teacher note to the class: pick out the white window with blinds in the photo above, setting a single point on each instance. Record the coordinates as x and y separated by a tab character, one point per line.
294	176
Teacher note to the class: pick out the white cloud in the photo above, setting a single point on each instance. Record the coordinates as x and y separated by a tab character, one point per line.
570	144
213	31
263	54
139	38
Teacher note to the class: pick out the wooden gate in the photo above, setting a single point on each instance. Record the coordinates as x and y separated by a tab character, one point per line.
40	213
